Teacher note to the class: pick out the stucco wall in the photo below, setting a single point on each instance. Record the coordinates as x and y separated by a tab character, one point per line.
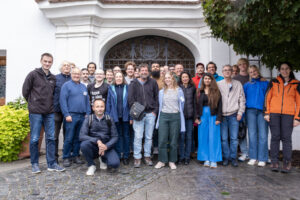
25	35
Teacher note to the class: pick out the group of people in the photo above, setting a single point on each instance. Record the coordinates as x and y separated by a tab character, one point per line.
209	114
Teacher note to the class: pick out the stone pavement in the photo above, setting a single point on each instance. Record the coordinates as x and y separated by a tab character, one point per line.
187	182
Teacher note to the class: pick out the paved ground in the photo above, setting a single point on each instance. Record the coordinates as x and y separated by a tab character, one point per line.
187	182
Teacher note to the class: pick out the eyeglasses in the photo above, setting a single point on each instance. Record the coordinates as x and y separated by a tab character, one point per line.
227	70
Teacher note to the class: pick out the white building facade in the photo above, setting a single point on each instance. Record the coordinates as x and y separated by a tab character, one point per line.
81	31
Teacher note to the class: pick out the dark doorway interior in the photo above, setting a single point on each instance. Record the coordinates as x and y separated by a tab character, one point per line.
150	49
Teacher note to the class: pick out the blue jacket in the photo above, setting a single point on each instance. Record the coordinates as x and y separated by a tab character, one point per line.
60	80
181	101
74	98
217	77
255	91
111	104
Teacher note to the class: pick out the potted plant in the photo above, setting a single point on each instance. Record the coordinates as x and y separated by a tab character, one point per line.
14	129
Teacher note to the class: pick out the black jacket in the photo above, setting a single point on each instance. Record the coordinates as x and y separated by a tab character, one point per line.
189	104
99	130
199	107
38	90
146	94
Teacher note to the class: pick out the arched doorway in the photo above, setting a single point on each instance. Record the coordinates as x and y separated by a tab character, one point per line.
150	49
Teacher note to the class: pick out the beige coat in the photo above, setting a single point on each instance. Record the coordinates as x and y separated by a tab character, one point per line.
233	97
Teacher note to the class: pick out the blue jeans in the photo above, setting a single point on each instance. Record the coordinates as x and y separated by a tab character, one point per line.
123	144
147	124
36	122
229	123
72	142
258	135
185	144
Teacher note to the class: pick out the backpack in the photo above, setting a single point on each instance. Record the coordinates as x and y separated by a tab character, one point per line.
107	119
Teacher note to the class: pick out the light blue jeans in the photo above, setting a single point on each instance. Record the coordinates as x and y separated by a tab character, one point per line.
147	124
258	135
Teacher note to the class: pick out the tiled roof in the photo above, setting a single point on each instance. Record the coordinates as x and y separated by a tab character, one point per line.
133	1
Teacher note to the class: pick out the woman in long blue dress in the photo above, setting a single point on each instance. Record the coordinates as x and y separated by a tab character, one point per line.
208	116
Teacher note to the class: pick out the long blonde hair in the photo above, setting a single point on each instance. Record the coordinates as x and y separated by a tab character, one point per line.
174	85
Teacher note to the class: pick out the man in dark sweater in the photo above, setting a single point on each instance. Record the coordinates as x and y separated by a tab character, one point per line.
38	89
145	91
75	105
61	78
98	135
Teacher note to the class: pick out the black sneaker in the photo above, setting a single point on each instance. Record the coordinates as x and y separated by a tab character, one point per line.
234	163
67	162
77	160
126	161
187	161
180	162
225	162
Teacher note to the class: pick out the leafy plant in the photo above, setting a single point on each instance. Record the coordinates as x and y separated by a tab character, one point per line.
19	103
266	28
14	127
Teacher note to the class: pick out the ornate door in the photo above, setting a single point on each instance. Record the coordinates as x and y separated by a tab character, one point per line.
150	49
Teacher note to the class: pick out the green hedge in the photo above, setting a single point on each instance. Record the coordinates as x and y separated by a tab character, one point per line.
14	127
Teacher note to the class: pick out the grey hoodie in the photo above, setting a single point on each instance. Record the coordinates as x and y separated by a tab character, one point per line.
233	97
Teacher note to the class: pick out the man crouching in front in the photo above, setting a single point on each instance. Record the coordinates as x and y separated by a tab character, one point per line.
98	135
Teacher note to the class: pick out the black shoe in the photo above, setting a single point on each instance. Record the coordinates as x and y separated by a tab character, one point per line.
77	160
234	163
187	161
126	161
180	162
67	162
225	162
112	170
275	166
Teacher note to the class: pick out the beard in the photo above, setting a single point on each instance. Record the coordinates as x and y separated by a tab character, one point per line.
155	74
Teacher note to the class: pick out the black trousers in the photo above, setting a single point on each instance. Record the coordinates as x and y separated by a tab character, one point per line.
58	119
281	130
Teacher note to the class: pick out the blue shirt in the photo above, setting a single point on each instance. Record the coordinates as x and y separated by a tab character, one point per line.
74	98
255	91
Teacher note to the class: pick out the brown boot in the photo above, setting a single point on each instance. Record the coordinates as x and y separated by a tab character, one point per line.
137	163
287	166
148	161
275	166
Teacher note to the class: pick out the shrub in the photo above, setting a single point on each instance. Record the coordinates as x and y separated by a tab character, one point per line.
14	127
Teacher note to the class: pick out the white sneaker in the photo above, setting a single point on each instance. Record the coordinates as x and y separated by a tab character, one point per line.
159	165
251	162
206	164
172	165
91	170
261	164
243	157
103	165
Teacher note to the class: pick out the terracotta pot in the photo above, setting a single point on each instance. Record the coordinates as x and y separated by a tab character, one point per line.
2	101
25	149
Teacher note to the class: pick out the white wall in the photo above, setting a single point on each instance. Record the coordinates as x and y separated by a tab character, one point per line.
25	34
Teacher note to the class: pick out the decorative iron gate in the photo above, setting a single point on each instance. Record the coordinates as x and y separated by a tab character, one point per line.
150	49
